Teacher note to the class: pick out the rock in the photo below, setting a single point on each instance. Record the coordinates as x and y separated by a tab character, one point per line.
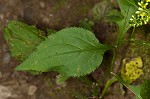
4	92
32	89
6	58
51	15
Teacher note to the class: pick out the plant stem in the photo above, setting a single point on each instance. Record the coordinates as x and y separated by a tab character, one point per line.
113	59
107	85
132	33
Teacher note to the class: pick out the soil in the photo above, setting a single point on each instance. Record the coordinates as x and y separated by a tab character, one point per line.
53	14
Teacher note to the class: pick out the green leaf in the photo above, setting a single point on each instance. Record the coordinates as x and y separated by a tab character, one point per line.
114	16
71	52
22	39
141	91
125	5
145	91
128	8
135	89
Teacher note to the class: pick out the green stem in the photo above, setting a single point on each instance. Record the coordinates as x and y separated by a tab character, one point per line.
118	44
131	37
111	81
142	43
113	59
107	85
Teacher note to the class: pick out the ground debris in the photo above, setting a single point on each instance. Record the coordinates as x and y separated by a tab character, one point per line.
32	89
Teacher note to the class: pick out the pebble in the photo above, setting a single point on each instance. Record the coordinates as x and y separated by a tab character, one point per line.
32	89
6	58
1	16
45	20
51	15
42	4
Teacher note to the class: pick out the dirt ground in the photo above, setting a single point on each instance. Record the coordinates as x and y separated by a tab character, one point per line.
53	14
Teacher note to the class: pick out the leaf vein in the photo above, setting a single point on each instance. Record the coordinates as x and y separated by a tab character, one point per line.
85	41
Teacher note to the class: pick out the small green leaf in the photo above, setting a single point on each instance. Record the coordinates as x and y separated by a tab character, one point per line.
71	52
145	91
101	9
141	91
50	31
114	16
134	89
125	5
86	24
22	39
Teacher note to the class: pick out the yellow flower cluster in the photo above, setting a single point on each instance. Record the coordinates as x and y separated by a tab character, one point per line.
131	70
147	0
141	15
